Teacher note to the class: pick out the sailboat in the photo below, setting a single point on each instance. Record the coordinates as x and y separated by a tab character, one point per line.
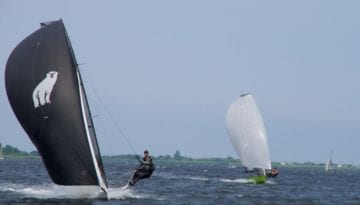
47	95
247	134
1	152
329	166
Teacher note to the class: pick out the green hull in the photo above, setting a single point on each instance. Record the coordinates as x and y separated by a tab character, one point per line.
258	179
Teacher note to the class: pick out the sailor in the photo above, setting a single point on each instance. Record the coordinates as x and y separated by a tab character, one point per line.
145	162
144	170
274	172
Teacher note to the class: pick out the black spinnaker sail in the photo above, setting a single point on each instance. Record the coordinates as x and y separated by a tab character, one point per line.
46	92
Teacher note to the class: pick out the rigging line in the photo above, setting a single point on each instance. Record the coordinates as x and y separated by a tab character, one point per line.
111	116
120	177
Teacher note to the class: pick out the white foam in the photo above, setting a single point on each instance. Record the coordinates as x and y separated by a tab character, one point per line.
232	166
126	192
40	191
48	191
198	178
52	191
240	180
122	193
269	181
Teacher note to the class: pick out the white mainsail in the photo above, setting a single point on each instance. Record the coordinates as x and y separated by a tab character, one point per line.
247	133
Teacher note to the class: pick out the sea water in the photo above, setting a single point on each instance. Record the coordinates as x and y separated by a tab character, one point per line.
25	181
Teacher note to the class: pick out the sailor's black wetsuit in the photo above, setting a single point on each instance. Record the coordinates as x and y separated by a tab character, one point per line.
144	170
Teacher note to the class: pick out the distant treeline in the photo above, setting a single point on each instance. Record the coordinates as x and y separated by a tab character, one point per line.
9	151
175	157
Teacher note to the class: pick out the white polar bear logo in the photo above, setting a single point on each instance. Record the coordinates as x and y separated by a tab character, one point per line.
42	92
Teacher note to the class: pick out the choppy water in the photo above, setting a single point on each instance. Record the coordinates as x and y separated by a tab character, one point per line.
26	182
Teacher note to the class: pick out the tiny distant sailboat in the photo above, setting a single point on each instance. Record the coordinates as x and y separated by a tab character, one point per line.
47	95
329	166
247	134
1	152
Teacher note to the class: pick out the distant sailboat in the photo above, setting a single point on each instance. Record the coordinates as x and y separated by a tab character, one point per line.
47	95
248	136
329	166
1	152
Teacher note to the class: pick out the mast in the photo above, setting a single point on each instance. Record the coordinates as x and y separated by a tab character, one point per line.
88	121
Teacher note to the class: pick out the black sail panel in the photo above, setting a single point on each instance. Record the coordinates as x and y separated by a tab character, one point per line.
43	90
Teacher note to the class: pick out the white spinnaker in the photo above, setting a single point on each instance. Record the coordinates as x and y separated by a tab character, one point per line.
247	133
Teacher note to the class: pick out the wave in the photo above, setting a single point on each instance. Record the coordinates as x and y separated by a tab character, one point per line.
195	178
232	166
51	191
202	178
36	191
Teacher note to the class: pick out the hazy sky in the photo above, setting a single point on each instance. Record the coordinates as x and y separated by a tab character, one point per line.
168	70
